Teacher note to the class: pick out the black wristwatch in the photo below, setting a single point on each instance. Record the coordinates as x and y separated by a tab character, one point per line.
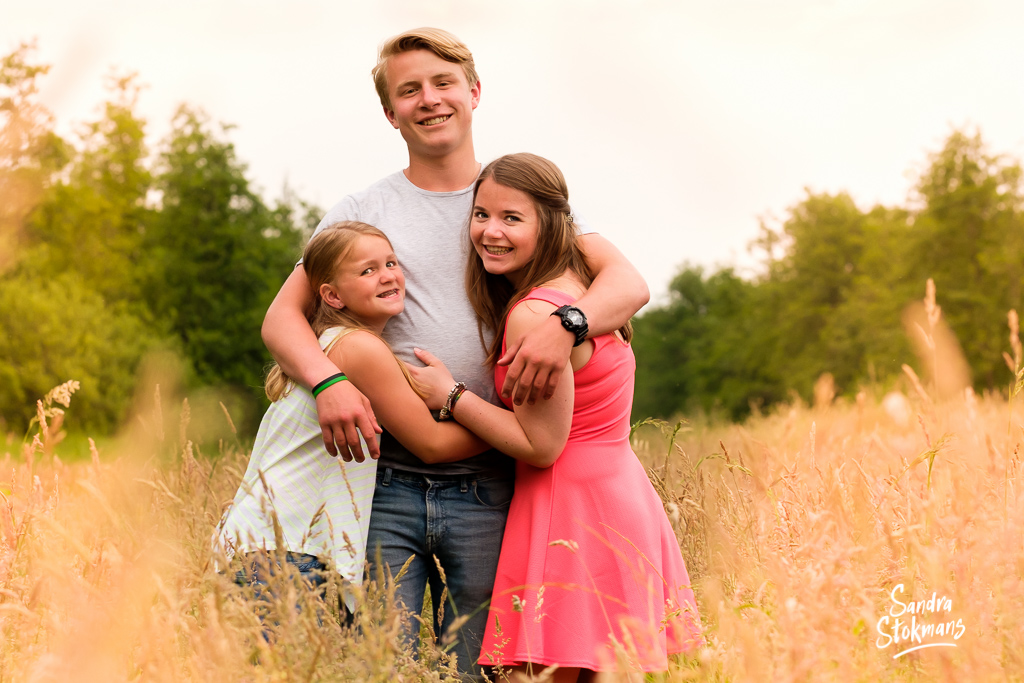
574	321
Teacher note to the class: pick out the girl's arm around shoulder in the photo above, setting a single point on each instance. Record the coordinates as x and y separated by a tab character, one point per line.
373	369
537	433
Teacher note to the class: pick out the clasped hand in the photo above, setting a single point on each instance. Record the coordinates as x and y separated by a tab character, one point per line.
433	378
536	362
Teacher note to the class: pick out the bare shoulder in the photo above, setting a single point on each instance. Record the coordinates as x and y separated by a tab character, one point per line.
567	283
527	315
534	310
357	346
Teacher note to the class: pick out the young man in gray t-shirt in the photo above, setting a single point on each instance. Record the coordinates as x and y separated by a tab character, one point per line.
427	83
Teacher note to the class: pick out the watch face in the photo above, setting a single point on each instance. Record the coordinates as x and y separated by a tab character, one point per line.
574	317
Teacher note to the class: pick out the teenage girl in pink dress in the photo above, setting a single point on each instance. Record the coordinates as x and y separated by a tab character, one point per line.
590	576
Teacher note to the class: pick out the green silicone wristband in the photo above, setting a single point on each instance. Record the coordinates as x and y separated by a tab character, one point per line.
330	381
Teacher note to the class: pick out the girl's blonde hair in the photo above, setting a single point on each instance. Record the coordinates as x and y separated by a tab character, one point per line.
322	258
557	248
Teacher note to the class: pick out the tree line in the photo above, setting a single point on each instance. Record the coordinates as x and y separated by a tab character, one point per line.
110	251
833	286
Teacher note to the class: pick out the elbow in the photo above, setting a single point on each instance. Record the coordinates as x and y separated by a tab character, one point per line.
436	454
544	448
430	457
267	330
276	323
545	461
425	451
545	457
643	293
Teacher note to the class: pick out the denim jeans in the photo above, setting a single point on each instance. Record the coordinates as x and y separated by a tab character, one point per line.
258	568
459	519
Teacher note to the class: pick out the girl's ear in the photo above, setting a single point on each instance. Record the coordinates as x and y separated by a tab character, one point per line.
330	295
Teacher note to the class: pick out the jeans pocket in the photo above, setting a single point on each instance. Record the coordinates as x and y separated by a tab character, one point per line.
494	493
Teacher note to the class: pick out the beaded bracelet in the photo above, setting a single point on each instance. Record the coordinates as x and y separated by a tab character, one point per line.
455	399
449	404
330	381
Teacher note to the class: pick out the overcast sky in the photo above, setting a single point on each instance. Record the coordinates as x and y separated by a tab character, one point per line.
677	123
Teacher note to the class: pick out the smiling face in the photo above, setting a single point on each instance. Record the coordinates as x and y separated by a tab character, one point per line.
368	282
431	103
504	229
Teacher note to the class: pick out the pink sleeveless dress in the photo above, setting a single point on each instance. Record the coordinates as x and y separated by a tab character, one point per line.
589	560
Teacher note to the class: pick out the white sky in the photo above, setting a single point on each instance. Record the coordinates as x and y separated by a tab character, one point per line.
677	122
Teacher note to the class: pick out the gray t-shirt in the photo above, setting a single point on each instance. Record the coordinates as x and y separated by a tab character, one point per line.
428	232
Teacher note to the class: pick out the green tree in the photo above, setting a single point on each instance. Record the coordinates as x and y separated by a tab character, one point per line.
56	328
864	335
699	351
835	283
69	306
116	259
968	238
218	253
824	240
94	222
30	152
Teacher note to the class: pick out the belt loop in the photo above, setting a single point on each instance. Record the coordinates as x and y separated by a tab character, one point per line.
463	484
386	481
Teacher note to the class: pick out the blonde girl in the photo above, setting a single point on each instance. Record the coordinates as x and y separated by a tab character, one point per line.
295	497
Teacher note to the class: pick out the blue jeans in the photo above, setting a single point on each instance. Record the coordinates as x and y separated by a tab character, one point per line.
258	568
460	519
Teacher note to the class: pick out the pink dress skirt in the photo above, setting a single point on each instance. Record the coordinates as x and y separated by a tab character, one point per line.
590	569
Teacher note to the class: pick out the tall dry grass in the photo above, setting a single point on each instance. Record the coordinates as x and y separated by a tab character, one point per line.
797	526
107	574
803	528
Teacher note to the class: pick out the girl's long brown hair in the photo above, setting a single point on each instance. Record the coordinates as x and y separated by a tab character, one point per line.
557	248
322	258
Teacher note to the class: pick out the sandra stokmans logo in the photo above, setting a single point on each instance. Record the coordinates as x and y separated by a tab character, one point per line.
919	624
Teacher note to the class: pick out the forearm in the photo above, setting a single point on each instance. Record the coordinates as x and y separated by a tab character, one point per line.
618	290
297	351
503	431
447	442
374	370
608	305
288	337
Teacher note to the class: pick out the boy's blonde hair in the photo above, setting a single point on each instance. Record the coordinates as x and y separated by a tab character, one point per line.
440	42
321	259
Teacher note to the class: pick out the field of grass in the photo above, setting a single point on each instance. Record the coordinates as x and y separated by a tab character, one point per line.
808	532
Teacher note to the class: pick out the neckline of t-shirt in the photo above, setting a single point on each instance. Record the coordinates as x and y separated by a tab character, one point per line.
431	193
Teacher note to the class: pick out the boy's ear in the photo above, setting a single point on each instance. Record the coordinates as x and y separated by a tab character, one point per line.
474	94
390	114
329	294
